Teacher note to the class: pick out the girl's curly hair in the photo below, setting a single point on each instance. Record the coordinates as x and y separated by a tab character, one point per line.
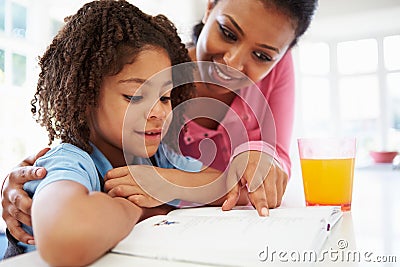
98	41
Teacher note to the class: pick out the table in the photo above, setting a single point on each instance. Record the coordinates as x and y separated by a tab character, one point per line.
369	235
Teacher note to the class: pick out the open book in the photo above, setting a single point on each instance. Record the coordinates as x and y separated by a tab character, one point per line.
208	235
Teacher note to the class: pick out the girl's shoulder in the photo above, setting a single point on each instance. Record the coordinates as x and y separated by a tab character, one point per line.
68	151
67	162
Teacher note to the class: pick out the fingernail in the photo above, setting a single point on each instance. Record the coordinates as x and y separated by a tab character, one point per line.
264	211
39	172
224	202
31	242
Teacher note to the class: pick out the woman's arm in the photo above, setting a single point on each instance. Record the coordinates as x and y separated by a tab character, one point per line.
15	201
74	227
267	185
282	104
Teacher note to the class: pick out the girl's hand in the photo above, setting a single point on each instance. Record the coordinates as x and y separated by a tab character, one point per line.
265	179
15	201
135	182
159	210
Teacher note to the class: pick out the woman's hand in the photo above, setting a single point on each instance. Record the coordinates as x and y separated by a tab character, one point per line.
265	179
122	182
15	201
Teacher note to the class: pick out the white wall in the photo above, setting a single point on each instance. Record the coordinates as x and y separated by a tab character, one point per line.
183	13
344	19
334	18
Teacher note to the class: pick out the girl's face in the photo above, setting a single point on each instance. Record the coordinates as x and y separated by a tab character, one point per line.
244	35
134	111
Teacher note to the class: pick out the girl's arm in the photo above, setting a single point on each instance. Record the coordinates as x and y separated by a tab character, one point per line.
204	187
208	186
74	227
142	184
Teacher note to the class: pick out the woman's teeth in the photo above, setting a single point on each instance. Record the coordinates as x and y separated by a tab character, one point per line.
222	75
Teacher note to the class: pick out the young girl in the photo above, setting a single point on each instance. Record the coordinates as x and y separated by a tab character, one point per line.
97	66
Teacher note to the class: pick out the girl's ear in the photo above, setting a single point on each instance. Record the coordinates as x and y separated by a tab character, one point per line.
210	6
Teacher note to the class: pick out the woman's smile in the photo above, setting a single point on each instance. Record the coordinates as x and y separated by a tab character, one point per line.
225	76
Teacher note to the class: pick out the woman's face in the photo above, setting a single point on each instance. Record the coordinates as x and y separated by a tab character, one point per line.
244	35
134	111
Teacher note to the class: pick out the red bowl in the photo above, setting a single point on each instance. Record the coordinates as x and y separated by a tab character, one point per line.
383	156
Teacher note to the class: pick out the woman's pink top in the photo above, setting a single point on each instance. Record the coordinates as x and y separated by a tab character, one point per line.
260	118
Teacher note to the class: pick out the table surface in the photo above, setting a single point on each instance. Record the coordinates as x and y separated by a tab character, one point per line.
368	235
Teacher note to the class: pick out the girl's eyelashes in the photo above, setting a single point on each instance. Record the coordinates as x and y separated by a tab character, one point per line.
165	99
226	33
133	98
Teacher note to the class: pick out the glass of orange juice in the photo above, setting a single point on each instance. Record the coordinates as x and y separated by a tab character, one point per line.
327	166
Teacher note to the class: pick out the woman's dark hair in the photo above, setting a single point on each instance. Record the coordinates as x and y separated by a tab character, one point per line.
301	12
97	41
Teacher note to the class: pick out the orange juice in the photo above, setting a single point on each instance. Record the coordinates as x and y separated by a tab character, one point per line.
328	181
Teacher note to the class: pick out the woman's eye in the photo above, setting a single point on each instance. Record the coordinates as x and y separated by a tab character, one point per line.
133	98
227	33
262	57
165	99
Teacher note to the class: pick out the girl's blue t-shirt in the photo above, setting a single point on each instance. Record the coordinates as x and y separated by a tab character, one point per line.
68	162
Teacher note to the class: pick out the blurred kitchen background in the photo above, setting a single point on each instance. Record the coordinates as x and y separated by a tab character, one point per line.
347	70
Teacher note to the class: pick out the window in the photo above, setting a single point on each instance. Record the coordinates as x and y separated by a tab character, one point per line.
393	80
315	88
315	96
359	56
18	69
17	80
55	26
18	20
2	61
359	110
391	46
2	14
352	88
359	98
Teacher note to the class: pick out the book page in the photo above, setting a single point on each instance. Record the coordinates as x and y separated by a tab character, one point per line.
330	213
232	238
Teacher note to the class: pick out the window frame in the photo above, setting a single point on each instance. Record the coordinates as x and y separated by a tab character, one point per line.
384	119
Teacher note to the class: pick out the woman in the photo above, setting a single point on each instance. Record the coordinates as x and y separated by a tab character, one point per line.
255	38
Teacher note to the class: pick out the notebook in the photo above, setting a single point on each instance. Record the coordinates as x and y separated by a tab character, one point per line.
208	235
